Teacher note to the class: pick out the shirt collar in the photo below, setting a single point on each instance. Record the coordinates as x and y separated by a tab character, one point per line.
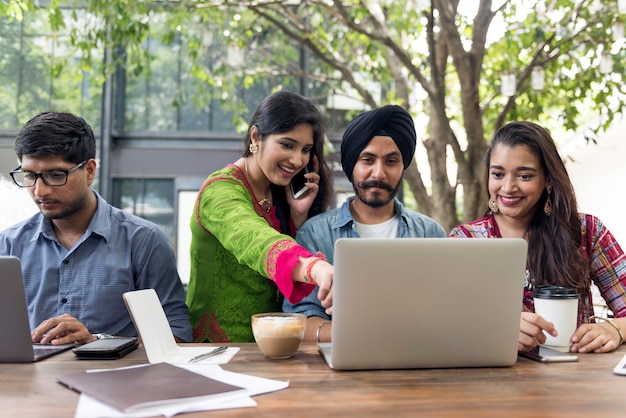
100	223
345	216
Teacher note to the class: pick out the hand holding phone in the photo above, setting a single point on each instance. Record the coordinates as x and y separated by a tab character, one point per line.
299	183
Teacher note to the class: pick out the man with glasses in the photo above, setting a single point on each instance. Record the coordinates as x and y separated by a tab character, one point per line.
80	254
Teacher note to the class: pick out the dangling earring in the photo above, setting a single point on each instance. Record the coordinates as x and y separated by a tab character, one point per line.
253	147
493	206
547	208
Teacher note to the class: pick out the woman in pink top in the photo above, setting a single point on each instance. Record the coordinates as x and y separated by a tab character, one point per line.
531	197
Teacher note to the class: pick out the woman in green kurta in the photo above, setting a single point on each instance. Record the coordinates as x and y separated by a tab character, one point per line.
244	258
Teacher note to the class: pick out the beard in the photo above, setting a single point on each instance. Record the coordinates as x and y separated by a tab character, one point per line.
376	199
67	209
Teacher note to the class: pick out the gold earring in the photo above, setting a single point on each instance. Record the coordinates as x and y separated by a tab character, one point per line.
493	206
547	208
253	148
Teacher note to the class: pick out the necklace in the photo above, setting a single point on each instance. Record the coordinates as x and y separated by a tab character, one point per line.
265	203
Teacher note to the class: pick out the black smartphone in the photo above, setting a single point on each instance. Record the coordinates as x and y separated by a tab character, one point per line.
299	183
106	349
548	355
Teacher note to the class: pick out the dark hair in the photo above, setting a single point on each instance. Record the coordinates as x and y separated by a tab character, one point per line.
554	255
56	134
281	112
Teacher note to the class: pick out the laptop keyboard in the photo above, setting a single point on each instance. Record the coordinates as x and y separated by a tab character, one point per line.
46	350
40	351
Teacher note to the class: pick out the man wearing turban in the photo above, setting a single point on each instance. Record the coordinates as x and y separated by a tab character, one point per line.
377	146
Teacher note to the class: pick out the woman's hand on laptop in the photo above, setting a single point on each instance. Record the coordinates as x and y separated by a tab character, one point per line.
63	329
531	331
323	273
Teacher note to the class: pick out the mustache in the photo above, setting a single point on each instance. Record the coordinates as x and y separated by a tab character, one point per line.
376	183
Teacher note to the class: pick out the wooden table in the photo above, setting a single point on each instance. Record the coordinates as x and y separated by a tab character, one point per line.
587	388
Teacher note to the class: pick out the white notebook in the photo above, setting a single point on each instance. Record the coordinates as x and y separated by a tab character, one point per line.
425	303
156	335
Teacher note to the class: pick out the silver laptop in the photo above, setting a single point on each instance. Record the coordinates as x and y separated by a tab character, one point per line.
425	303
16	345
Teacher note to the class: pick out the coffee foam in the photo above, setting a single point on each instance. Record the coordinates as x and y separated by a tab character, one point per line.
278	326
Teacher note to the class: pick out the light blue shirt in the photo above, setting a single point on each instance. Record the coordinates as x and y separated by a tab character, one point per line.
119	252
320	233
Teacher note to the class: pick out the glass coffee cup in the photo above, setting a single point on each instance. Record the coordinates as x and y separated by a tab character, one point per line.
278	334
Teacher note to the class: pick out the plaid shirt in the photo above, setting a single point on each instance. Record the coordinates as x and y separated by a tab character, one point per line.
607	262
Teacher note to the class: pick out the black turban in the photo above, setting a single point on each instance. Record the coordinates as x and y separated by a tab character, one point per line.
389	120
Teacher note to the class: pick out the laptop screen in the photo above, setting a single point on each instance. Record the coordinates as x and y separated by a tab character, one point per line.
18	348
426	302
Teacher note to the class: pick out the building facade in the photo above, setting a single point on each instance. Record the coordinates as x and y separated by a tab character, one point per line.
154	150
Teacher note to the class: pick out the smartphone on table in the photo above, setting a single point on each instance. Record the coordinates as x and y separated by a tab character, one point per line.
299	183
106	349
621	367
548	355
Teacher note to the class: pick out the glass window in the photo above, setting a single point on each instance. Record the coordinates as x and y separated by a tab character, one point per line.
200	88
151	199
39	71
168	97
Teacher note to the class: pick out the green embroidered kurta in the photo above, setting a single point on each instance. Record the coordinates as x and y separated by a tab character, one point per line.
235	247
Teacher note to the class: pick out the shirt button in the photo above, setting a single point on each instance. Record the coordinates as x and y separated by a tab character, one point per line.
66	261
64	300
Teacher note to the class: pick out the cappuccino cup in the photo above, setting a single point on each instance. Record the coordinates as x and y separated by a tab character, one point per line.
558	305
278	334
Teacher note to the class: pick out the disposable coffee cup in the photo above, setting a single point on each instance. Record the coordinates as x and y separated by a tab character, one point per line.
558	305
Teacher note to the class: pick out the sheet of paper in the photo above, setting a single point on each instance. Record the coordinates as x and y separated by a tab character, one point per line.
253	384
90	408
156	335
182	355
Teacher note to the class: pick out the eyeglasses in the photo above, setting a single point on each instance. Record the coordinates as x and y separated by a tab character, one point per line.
50	178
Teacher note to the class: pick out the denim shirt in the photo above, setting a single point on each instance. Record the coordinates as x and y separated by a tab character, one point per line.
119	252
320	233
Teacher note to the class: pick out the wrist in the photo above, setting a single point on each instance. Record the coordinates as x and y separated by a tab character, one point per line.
297	223
102	336
612	325
318	334
298	218
308	278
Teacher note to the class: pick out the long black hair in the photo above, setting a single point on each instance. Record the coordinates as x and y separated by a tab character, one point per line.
554	240
281	112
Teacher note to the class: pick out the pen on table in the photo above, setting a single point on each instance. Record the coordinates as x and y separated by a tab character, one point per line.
211	353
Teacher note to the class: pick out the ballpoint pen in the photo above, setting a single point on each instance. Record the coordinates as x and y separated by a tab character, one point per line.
208	354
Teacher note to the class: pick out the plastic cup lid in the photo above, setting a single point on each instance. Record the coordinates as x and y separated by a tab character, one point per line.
554	292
